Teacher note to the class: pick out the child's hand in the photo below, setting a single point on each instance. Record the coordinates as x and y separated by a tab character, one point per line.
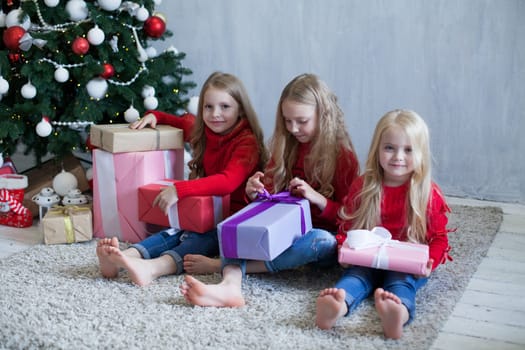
148	119
300	188
166	198
254	185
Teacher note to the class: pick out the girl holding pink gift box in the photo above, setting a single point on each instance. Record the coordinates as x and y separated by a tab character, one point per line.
228	146
395	192
313	158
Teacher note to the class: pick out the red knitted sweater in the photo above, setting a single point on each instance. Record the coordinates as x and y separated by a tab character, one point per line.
346	171
228	160
393	217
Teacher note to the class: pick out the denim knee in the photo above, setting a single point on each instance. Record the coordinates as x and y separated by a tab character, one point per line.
316	246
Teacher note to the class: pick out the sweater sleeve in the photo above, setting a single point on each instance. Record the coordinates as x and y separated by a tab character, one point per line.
437	231
184	121
242	164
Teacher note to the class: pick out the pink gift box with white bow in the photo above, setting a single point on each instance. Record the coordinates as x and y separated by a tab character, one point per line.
116	179
377	249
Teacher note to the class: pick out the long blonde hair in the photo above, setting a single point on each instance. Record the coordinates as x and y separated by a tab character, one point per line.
368	212
330	136
235	88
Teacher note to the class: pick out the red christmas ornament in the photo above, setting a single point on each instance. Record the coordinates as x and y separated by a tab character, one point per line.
12	36
154	26
108	72
14	57
80	46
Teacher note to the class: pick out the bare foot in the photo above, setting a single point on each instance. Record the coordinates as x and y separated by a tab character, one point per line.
392	312
107	268
330	307
140	270
195	264
224	294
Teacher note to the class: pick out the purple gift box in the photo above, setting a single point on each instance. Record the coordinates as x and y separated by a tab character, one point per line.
265	228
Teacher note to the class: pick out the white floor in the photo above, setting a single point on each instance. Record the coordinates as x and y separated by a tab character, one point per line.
491	313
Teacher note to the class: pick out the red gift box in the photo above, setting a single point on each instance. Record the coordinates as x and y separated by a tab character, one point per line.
377	249
197	213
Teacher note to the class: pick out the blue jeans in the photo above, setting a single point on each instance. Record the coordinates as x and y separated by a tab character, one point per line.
360	282
317	246
178	245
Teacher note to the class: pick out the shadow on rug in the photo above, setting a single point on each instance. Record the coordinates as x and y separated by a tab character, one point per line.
53	297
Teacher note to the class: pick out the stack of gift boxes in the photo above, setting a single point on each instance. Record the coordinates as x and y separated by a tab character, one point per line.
125	160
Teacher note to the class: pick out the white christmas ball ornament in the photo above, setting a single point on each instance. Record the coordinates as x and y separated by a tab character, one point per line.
148	91
193	105
61	74
151	52
44	128
64	182
77	10
4	85
151	102
2	19
28	91
51	3
142	14
131	114
96	36
97	88
109	5
13	19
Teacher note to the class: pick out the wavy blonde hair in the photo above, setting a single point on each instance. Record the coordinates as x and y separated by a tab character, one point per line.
235	88
330	136
368	212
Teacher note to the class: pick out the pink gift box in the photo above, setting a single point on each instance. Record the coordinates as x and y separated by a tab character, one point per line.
376	249
264	229
116	179
197	213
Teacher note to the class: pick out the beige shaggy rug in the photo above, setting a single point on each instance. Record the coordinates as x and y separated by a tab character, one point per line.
53	297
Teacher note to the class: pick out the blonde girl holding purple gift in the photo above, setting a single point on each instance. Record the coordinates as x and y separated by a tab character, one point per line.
396	192
313	158
228	146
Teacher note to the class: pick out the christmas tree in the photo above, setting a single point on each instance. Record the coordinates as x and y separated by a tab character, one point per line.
68	64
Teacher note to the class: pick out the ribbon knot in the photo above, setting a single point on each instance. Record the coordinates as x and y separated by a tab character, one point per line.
377	237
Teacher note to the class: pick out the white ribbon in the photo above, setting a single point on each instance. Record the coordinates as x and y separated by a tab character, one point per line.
377	237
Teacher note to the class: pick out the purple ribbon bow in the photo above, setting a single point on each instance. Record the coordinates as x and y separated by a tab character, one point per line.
267	200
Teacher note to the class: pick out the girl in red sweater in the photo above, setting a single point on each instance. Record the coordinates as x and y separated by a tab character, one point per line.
396	192
313	158
228	146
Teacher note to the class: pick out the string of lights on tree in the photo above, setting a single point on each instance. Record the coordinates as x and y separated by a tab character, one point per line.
68	64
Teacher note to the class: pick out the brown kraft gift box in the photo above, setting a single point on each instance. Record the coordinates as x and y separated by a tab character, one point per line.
119	138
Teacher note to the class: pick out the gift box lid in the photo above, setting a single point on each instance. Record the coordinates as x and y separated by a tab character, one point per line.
119	138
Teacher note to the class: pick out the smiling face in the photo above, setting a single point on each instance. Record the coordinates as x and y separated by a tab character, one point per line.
300	120
395	156
220	111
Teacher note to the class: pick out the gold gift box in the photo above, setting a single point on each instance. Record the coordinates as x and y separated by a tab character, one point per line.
68	224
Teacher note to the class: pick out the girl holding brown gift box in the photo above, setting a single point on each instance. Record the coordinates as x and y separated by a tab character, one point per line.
395	192
313	158
228	146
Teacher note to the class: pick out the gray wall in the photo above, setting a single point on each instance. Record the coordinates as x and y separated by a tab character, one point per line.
460	64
